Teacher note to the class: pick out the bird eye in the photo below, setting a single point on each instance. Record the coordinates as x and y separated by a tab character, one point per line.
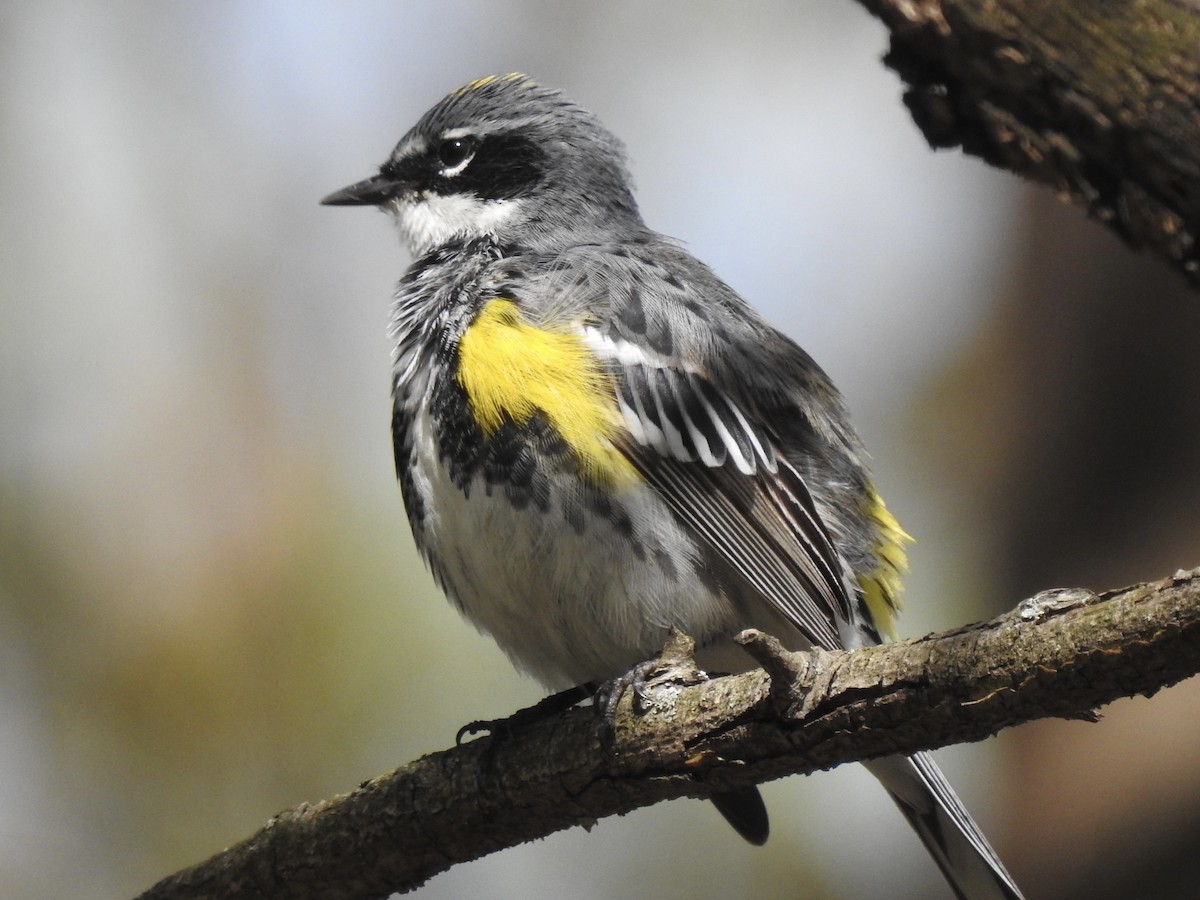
454	153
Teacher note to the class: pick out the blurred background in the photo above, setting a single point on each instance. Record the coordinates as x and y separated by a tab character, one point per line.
210	605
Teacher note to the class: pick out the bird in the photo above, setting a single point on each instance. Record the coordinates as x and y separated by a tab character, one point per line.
598	440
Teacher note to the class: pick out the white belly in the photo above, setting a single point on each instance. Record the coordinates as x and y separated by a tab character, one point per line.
567	604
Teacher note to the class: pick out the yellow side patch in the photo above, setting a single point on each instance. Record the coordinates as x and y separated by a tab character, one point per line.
882	587
511	370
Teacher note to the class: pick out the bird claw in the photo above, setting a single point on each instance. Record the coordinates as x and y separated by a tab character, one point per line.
523	718
674	666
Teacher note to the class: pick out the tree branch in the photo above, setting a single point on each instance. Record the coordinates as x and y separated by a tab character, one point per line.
1099	100
1062	653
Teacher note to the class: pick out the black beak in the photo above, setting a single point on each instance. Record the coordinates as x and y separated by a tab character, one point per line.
372	192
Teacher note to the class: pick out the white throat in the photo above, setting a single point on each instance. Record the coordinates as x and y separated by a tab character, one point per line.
433	220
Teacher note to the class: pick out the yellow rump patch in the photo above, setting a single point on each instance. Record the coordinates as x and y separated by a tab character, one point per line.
882	587
512	370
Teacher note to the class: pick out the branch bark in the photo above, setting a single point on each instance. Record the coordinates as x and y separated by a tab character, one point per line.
1062	653
1099	100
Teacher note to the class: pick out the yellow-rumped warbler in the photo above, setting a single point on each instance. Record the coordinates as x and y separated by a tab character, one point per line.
598	440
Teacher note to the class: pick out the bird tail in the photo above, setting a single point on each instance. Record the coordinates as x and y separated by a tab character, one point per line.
945	827
745	811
